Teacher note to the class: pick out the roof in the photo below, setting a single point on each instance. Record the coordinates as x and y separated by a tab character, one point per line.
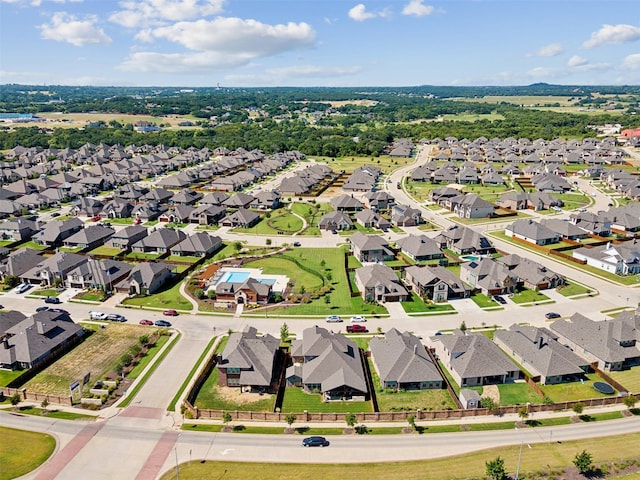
252	354
419	246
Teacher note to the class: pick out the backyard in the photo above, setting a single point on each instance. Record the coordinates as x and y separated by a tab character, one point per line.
580	390
297	401
629	378
212	396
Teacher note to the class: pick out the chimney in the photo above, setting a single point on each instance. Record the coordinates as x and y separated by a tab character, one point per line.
540	342
5	342
415	349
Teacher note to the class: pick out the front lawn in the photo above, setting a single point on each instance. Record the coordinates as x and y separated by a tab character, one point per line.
45	292
571	288
33	245
22	452
297	401
143	256
91	296
417	305
528	296
566	392
483	301
166	298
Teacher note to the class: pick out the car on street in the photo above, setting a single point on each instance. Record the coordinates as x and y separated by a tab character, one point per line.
97	315
23	287
333	318
95	218
162	323
551	315
499	299
315	441
356	329
52	300
170	313
358	318
115	317
146	322
55	214
59	310
42	309
296	244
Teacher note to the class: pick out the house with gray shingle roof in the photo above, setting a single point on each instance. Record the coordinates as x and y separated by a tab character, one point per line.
329	363
98	274
622	259
248	361
53	268
19	229
464	241
595	223
531	274
346	203
532	232
20	261
146	278
370	219
33	341
404	216
370	248
379	200
199	244
56	231
241	218
420	248
90	237
435	283
542	355
402	362
379	283
474	359
565	228
127	236
159	241
613	344
489	276
335	221
469	205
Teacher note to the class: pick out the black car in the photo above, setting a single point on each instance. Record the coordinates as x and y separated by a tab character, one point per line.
296	244
58	310
52	300
500	299
116	317
162	323
552	315
315	442
42	309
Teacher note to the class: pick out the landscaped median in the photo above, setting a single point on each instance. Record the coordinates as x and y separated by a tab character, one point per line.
22	452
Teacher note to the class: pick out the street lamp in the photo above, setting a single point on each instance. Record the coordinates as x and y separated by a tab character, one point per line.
175	449
520	454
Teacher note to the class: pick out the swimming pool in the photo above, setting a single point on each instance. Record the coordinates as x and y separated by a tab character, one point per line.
235	277
469	258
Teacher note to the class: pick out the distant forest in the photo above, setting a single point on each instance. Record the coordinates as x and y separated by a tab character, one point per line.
278	119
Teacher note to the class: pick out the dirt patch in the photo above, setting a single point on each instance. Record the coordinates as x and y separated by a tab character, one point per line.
234	395
492	392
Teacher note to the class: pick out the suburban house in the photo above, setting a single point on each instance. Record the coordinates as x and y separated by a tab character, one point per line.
123	239
146	278
241	218
420	248
489	276
370	248
379	283
435	283
469	205
98	274
56	231
19	261
531	275
177	214
53	269
346	203
532	232
248	361
465	241
159	241
268	200
89	237
378	201
619	259
363	179
534	201
404	216
402	362
199	244
335	221
474	359
328	363
17	230
594	223
370	219
249	291
29	342
207	214
542	355
613	344
566	229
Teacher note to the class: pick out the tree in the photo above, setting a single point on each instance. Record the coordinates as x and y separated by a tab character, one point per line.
463	327
495	468
578	408
11	281
144	340
583	461
226	418
290	419
411	420
199	293
284	333
15	399
629	401
490	404
523	412
350	419
327	301
237	246
44	404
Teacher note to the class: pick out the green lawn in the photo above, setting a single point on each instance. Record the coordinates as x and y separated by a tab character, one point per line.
211	397
165	298
108	251
528	296
142	256
432	399
144	361
349	164
483	301
302	279
22	452
518	394
297	401
571	288
564	392
312	212
121	221
53	413
45	292
8	376
629	378
183	259
417	305
33	245
91	295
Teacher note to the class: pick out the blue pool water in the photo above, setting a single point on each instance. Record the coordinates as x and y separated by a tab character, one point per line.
236	277
470	258
267	281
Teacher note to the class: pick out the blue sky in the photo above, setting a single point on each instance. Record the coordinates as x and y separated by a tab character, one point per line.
250	43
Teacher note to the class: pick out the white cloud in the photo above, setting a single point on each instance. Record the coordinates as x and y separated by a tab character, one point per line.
359	13
68	28
235	36
631	62
417	8
577	61
313	71
136	13
550	50
613	34
187	63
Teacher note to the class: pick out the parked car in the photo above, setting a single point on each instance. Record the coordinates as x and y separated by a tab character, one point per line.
42	309
116	317
55	300
358	318
55	214
296	244
23	287
356	329
162	323
499	299
552	315
146	322
170	313
95	218
59	310
315	442
97	315
333	318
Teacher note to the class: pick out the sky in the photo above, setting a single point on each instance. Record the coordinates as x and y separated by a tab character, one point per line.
334	43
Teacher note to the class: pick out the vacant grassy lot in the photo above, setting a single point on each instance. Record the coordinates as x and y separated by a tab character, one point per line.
629	378
97	354
165	298
22	451
574	390
211	397
349	164
312	212
297	401
302	279
470	465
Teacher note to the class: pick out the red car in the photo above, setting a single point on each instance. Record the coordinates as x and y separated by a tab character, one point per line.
356	329
146	322
96	218
170	313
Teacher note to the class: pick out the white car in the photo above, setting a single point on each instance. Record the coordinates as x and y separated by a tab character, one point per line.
358	318
97	316
333	319
23	287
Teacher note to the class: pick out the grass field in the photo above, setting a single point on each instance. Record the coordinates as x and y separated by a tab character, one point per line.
165	298
417	305
297	401
22	451
554	455
97	354
349	164
312	212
